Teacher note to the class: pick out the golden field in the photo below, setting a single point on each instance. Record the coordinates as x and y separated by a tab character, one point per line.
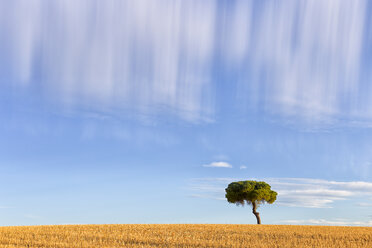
185	235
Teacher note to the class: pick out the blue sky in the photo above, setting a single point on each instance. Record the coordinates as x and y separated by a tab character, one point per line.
144	111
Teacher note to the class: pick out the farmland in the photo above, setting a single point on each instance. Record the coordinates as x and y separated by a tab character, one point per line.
185	235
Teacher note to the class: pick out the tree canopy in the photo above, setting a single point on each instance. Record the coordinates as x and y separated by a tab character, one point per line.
250	192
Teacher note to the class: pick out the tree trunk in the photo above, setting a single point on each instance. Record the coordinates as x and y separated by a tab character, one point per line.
257	214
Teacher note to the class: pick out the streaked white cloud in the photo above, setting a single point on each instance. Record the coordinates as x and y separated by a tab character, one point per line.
317	193
243	167
306	57
297	59
293	192
152	57
218	165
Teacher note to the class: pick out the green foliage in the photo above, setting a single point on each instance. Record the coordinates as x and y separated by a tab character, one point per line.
250	192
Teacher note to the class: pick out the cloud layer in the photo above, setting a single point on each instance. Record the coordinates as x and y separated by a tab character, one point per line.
298	59
292	192
306	58
218	165
141	55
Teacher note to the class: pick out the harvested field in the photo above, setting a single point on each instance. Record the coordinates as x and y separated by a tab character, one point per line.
185	235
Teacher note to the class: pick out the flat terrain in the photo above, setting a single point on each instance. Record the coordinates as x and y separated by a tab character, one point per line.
185	236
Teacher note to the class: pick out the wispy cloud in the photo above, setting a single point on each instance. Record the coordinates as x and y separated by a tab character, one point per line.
218	165
292	192
298	59
243	167
306	58
147	56
317	193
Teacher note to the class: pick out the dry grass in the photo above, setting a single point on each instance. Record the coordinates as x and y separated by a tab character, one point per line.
185	236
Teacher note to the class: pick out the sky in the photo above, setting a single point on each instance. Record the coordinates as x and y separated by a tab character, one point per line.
144	111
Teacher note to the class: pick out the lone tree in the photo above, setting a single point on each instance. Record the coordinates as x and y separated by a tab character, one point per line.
252	193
